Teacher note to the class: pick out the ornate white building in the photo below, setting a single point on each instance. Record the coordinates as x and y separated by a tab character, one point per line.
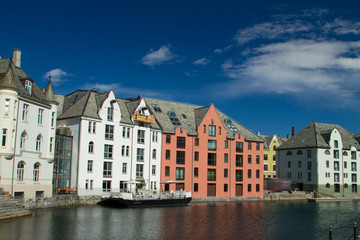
115	142
28	123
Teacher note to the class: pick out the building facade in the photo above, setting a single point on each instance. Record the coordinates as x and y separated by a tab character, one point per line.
28	122
206	152
322	158
116	143
271	143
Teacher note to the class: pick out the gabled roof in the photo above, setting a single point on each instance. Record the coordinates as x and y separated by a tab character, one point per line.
317	135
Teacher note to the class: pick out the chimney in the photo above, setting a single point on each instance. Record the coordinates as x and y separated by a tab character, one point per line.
16	57
288	136
292	131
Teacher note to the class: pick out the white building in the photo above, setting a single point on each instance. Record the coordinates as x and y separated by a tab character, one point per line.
323	158
115	141
28	122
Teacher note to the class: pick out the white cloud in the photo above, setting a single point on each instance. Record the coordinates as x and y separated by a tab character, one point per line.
158	57
343	27
58	76
201	61
303	68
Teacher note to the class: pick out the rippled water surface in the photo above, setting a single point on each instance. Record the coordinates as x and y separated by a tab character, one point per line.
244	220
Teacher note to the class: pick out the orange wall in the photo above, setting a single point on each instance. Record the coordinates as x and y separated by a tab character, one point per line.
213	119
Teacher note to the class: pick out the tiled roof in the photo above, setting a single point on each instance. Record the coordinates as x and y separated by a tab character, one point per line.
317	135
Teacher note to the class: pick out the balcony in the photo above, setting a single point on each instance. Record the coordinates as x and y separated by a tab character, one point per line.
144	118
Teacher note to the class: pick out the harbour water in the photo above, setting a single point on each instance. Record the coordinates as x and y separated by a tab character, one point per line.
230	220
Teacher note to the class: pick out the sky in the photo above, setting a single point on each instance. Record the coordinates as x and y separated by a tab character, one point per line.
270	65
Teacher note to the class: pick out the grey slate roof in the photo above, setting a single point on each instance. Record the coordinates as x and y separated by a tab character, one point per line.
19	75
317	135
194	115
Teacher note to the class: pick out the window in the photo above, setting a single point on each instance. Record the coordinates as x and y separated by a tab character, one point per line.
226	173
249	159
167	154
122	150
239	147
91	147
230	125
153	169
23	139
336	177
94	127
336	165
249	145
127	151
288	153
107	169
249	187
274	167
174	119
226	144
299	164
289	164
336	144
196	172
128	132
51	144
211	175
168	139
141	136
90	165
124	167
257	173
87	184
345	164
167	171
196	157
36	172
40	116
108	151
336	154
196	187
7	107
204	128
196	141
239	175
257	187
219	130
309	166
20	171
212	144
353	177
327	164
110	113
354	188
124	132
249	173
106	186
180	173
53	119
309	153
266	167
265	157
353	166
109	132
353	155
257	159
140	154
139	170
154	154
25	112
28	86
226	157
299	175
226	187
212	130
4	133
239	160
90	127
180	142
156	107
38	143
257	146
155	137
180	157
211	159
299	152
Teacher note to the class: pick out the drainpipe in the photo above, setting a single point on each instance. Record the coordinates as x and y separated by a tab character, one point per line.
15	140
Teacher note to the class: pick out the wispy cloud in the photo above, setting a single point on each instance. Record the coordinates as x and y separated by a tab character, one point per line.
58	76
157	57
201	61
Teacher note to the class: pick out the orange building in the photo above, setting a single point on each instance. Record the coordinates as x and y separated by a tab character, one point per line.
206	152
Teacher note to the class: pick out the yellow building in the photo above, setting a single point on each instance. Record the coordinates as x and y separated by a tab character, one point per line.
270	145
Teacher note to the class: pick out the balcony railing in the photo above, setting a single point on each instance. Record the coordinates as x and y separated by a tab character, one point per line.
144	118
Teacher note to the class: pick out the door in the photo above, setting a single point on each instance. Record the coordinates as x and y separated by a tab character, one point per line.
239	190
211	190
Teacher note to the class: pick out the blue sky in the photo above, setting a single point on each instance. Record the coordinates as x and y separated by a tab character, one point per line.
270	65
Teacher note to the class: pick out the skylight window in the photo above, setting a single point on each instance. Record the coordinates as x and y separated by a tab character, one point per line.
156	107
231	125
173	118
184	116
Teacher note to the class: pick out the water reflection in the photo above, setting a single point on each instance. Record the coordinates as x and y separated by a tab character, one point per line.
244	220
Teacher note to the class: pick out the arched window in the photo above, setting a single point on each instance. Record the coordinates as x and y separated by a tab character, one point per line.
20	171
288	153
274	148
36	172
127	150
91	147
265	157
123	150
38	142
23	139
327	152
299	152
327	185
154	154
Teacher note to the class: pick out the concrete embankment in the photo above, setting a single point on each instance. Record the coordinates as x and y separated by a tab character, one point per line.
10	208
